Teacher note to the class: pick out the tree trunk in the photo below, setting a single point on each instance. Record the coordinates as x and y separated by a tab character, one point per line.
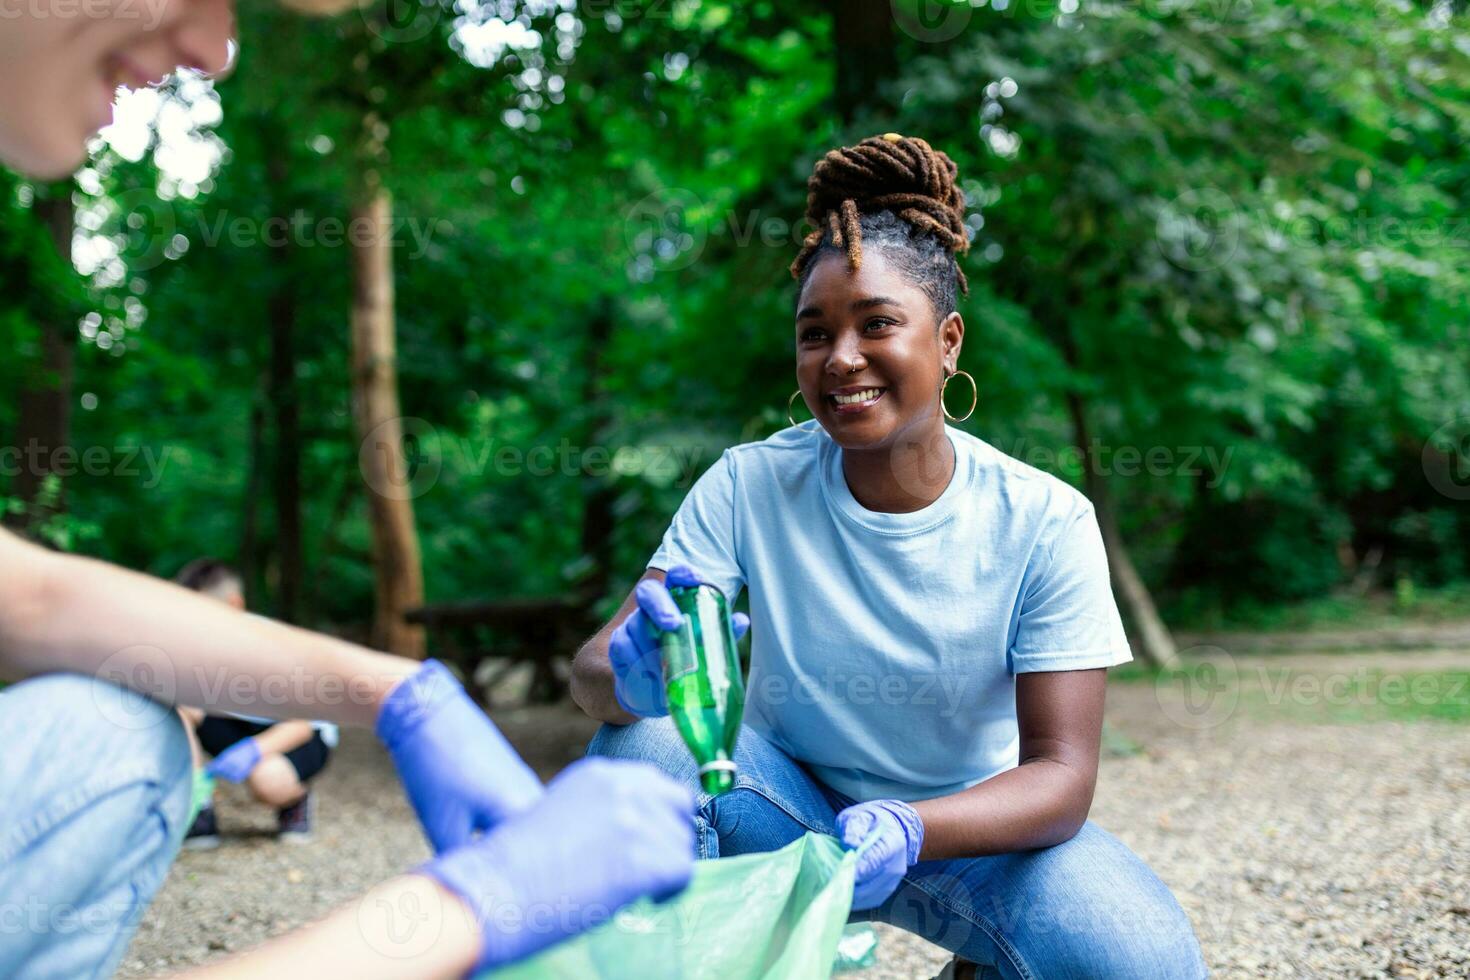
249	560
287	410
1154	641
864	52
399	584
43	422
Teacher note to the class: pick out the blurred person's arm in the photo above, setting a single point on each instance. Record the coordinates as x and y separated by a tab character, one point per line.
67	613
238	762
485	904
64	613
282	738
1044	800
409	927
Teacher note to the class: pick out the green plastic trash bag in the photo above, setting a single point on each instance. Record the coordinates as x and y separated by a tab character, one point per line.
857	949
768	916
201	794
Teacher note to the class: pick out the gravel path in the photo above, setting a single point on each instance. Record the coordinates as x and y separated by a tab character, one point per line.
1298	849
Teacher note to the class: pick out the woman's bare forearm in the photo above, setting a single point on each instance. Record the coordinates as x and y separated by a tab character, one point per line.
409	928
65	613
1037	804
592	679
1044	800
592	673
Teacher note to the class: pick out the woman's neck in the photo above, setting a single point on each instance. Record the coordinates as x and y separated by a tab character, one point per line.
902	478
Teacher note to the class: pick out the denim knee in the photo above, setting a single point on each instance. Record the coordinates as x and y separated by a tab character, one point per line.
1107	914
95	784
1149	938
143	728
652	740
74	731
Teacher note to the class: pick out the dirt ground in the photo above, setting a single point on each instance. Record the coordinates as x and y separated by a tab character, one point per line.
1298	848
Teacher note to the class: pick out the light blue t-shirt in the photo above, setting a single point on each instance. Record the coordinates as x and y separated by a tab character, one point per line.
885	646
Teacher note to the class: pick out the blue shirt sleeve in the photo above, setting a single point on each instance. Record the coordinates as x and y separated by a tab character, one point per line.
702	534
1069	619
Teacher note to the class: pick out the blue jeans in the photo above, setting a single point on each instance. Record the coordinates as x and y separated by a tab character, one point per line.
94	790
1086	908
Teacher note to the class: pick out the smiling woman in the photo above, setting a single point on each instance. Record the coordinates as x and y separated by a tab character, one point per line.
931	620
879	279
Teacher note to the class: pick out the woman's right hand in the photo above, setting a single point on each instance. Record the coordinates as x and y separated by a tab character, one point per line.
638	674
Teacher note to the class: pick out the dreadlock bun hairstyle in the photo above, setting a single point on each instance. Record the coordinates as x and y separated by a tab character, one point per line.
896	194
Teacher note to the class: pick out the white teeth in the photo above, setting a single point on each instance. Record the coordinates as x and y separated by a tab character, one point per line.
861	396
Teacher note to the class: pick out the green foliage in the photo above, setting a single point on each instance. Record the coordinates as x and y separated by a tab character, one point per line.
1226	232
47	522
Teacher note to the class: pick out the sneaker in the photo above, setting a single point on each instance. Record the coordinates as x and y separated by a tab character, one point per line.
203	833
294	822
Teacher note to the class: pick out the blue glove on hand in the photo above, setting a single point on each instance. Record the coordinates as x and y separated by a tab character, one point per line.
638	673
236	762
605	834
898	835
460	773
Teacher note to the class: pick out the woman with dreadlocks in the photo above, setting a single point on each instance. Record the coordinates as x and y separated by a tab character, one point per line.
933	620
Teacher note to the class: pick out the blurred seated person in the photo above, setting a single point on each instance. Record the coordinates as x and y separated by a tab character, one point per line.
274	760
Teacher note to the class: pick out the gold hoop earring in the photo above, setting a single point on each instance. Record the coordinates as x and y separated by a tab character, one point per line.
974	399
791	404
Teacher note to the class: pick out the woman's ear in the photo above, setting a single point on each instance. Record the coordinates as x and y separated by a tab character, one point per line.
951	339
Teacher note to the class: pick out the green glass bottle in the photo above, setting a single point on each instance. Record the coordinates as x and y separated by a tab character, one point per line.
705	688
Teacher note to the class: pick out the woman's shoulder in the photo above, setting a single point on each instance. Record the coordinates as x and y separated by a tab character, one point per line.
1018	485
793	446
788	455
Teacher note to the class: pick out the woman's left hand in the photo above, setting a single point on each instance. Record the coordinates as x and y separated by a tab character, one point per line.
898	835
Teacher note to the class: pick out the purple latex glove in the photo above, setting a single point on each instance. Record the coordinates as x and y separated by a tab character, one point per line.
897	836
459	772
236	762
638	674
605	834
